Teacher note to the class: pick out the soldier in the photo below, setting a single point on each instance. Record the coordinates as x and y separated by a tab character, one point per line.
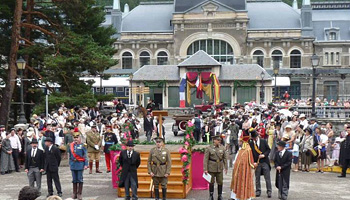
94	142
215	162
109	139
159	166
77	162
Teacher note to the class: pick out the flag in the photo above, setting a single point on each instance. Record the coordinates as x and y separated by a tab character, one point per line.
182	91
199	87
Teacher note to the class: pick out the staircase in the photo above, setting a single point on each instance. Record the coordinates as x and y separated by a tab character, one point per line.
175	189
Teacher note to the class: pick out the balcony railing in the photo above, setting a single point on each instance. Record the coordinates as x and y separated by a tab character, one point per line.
339	112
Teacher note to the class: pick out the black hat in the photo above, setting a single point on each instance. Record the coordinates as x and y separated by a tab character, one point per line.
216	137
281	144
48	139
313	119
130	143
34	141
130	115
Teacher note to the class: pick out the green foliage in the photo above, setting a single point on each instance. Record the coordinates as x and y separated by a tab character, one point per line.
104	97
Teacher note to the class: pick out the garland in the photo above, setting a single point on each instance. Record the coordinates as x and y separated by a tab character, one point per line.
156	84
238	84
199	150
185	152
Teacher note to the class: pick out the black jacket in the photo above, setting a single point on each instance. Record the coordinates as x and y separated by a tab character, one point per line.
344	150
285	163
264	148
148	125
52	159
39	158
51	135
129	166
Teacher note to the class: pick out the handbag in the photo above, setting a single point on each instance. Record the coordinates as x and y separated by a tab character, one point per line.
313	152
63	147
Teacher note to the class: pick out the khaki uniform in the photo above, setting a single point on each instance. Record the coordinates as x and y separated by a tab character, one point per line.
92	139
215	161
159	163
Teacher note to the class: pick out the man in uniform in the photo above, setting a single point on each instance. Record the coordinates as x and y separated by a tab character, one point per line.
215	162
77	162
159	166
94	142
233	145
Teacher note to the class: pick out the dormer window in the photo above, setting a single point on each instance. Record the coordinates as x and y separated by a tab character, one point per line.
332	34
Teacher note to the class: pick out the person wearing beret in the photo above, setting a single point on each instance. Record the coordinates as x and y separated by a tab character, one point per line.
129	160
159	167
78	162
283	162
34	164
52	162
215	163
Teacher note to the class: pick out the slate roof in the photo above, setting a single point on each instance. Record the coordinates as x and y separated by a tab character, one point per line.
243	72
272	15
200	58
308	70
324	19
182	6
149	17
156	73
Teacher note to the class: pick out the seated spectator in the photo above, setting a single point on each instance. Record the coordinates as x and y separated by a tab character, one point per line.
28	193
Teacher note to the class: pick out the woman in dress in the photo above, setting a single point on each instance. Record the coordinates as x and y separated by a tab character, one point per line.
242	185
271	133
7	164
306	146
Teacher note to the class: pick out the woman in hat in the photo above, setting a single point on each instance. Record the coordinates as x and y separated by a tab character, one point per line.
7	164
306	147
271	133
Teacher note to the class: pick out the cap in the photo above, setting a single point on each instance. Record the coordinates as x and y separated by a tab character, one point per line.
48	139
159	138
302	116
76	130
130	143
281	144
313	119
216	137
76	134
34	141
289	126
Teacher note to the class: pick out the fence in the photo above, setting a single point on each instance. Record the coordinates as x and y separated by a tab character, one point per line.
325	111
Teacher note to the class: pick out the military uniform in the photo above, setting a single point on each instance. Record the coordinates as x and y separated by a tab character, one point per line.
77	161
94	142
159	163
215	161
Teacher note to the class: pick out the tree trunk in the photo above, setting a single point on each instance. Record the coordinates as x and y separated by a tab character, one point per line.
12	70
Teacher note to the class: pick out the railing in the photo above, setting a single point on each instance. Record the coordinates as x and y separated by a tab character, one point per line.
339	112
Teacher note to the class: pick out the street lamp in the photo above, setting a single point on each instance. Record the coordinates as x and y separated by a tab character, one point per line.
314	62
276	69
262	96
21	65
131	101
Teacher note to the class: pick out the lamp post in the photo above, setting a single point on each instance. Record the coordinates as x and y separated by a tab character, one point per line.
314	61
130	77
21	64
262	97
276	69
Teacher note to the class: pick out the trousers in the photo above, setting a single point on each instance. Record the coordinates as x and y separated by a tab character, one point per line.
345	166
130	183
34	175
108	161
53	176
15	155
77	176
265	169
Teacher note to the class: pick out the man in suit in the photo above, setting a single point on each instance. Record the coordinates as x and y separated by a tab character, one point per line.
148	126
345	153
129	160
261	151
283	162
52	162
49	133
159	167
34	164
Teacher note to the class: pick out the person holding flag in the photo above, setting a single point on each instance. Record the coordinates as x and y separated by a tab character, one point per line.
78	162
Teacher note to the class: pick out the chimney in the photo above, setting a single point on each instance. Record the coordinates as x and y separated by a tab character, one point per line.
295	5
126	9
306	19
117	17
116	4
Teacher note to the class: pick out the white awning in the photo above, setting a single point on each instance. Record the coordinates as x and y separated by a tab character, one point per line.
111	82
281	81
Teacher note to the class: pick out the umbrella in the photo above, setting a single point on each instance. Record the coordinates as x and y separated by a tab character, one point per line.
286	112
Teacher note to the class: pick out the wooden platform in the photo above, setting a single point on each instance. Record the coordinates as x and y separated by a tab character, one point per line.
175	189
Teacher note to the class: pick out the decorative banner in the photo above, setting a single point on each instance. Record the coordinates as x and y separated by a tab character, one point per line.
199	87
216	89
189	86
208	91
182	91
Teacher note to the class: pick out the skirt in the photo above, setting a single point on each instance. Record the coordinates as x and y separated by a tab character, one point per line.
306	158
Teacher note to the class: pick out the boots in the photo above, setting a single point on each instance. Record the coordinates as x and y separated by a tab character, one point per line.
80	190
211	192
98	167
156	194
75	190
164	193
220	192
90	167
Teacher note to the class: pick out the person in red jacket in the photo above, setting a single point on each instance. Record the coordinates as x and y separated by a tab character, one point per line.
262	131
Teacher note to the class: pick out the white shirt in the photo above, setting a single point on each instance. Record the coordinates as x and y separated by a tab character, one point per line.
127	153
3	134
58	139
281	153
258	142
40	143
33	152
50	147
15	143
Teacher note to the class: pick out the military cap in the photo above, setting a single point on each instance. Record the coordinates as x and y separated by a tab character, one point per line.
159	138
216	137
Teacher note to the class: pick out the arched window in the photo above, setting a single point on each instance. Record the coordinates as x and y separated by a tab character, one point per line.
295	59
127	60
145	58
258	58
277	58
162	58
218	49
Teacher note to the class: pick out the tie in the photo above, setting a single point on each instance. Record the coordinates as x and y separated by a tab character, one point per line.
129	154
280	154
33	153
